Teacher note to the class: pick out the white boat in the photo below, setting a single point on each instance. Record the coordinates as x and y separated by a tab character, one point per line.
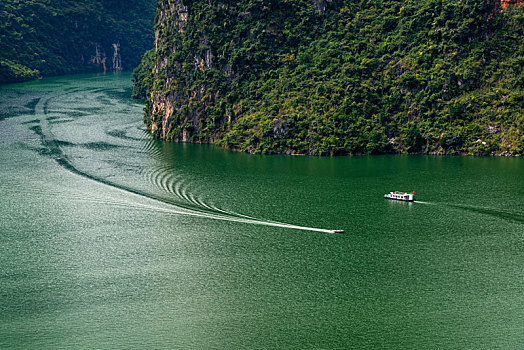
337	231
401	196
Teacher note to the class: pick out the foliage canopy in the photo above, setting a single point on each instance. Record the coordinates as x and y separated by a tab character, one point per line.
361	77
51	37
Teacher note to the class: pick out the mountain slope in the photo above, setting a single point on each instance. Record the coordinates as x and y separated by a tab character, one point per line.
339	77
50	37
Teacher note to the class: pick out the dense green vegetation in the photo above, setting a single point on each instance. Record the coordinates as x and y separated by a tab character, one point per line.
142	76
50	37
361	77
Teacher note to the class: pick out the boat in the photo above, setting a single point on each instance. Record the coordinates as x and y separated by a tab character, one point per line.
337	231
401	196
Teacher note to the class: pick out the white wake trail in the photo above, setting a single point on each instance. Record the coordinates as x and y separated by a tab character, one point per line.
187	212
226	218
421	202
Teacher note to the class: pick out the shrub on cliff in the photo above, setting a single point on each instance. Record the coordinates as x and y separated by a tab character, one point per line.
143	76
14	72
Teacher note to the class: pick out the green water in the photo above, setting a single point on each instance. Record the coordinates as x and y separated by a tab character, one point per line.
112	240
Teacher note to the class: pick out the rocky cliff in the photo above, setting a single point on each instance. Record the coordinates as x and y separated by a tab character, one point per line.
325	77
99	58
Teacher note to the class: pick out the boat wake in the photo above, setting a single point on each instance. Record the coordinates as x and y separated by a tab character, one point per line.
181	211
166	179
185	202
495	212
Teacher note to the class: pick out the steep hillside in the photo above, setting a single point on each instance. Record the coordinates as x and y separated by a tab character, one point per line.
338	77
50	37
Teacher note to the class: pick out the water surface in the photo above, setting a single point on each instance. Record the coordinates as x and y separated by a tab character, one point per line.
110	239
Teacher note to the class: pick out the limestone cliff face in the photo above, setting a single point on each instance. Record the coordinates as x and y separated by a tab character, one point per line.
176	111
171	19
187	51
117	58
99	58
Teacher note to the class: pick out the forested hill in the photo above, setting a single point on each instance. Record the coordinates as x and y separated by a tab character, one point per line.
338	77
50	37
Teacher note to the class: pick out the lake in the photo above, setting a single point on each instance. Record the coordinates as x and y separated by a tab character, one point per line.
111	239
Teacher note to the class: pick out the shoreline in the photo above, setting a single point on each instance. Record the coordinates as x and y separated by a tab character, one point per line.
291	153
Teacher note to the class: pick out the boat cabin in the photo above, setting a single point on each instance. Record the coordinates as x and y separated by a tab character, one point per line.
400	196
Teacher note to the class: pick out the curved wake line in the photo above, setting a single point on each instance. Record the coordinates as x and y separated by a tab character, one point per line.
163	178
188	212
56	152
138	206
